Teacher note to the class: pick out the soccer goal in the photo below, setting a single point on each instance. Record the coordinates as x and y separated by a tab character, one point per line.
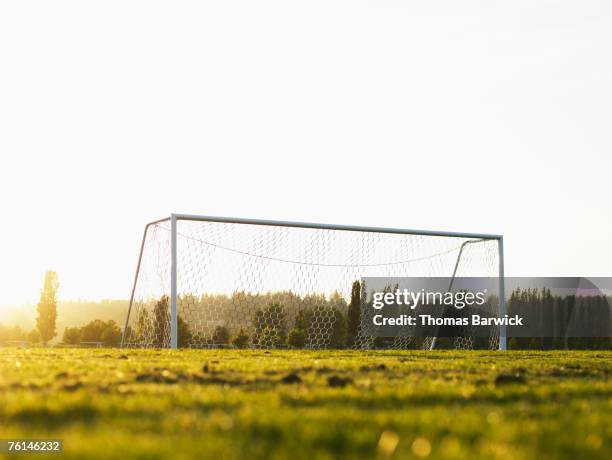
214	282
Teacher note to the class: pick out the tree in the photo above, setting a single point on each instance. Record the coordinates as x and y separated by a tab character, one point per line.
161	322
72	336
272	319
143	328
354	314
337	301
111	334
221	335
185	337
241	340
47	307
270	337
92	331
303	319
297	338
338	335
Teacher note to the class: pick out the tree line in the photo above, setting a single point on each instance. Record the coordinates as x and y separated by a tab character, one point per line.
560	320
277	319
285	319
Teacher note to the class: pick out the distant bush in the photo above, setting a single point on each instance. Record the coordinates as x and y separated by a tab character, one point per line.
221	335
185	337
241	340
72	336
297	338
34	336
270	326
94	331
111	335
270	337
309	321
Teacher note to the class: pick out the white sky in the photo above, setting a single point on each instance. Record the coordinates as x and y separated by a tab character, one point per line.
477	116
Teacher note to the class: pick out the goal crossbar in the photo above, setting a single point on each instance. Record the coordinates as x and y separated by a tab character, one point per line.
352	228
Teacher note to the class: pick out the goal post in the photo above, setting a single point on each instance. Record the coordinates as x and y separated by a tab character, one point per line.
204	281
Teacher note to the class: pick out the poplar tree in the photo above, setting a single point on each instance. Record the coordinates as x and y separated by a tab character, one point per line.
47	307
354	314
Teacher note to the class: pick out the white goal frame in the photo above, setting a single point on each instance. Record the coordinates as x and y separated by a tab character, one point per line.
174	218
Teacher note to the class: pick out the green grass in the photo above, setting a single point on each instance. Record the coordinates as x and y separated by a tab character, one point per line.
150	404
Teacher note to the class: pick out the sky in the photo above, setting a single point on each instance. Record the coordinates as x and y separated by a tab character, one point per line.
480	116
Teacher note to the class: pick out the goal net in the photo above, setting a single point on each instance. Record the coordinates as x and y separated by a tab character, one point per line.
260	284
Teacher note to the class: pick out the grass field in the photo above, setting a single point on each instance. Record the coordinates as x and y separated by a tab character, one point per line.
149	404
